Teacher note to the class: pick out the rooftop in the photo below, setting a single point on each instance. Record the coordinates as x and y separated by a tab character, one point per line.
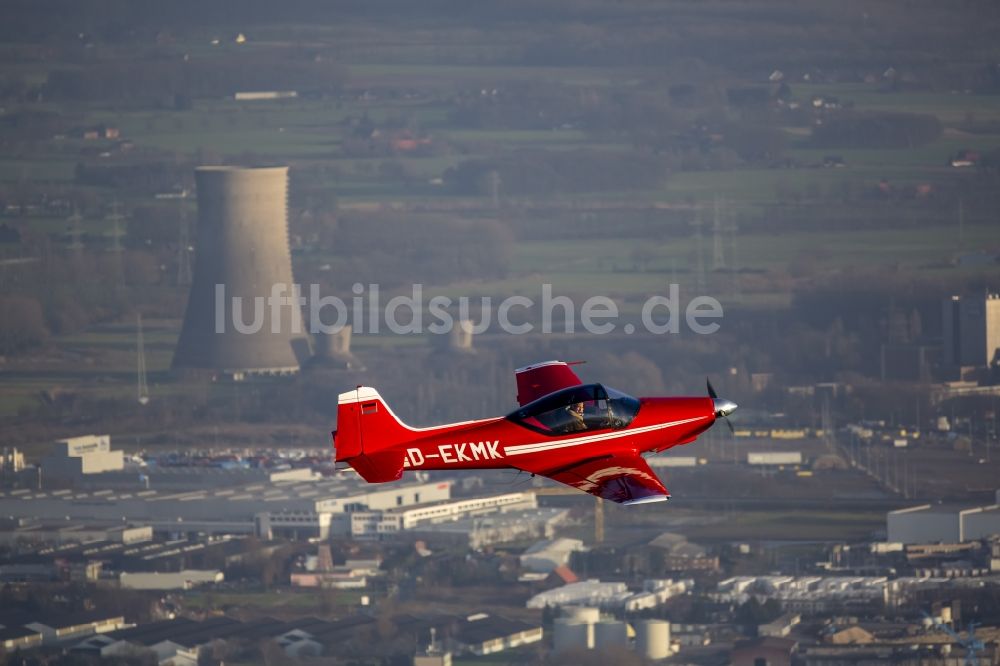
482	629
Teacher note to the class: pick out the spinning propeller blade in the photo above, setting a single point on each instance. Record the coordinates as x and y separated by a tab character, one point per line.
723	407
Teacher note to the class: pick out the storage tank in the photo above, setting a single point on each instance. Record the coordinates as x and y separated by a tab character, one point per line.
582	614
652	639
610	634
241	316
572	634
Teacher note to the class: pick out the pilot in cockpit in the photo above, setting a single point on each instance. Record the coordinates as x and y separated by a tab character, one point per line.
577	421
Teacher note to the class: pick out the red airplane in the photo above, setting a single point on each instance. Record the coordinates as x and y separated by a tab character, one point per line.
588	436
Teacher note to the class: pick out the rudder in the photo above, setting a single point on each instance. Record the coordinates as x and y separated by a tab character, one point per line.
366	427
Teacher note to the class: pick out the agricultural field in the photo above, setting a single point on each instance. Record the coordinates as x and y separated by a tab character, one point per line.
629	153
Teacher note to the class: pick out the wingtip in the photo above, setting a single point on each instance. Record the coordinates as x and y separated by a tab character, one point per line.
647	500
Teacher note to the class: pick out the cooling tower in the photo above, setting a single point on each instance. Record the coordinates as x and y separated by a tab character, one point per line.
239	317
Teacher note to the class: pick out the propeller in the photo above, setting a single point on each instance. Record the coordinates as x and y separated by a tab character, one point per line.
723	407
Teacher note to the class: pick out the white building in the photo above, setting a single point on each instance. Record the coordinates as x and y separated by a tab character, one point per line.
942	523
612	596
375	523
971	327
88	454
258	95
805	594
74	532
655	592
281	506
585	593
73	628
180	580
477	532
544	556
775	458
11	460
672	461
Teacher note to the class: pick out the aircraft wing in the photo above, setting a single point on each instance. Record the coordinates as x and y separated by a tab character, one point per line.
626	479
535	381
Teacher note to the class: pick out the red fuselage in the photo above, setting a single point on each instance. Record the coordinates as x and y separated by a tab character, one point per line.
500	442
588	436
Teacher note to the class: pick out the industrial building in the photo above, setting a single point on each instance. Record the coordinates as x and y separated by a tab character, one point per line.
971	328
241	317
302	509
942	523
611	596
77	456
366	524
482	634
11	460
186	477
657	462
26	530
352	575
127	564
808	594
774	458
295	506
585	593
550	554
290	509
477	532
177	580
24	630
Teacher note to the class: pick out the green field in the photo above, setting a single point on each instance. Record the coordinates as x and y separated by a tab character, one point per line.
951	107
269	602
795	222
792	526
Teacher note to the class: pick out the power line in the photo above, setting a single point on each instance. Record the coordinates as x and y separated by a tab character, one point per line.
183	251
718	252
142	388
75	232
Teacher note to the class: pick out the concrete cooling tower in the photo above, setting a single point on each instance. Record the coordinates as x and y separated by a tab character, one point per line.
240	319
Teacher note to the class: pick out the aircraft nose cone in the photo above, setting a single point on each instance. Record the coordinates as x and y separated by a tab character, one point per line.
724	407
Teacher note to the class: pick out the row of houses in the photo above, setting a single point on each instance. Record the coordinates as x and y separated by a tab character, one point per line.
183	641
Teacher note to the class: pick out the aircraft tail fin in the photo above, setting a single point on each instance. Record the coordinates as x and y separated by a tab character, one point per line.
366	431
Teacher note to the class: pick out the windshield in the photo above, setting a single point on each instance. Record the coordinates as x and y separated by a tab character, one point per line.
578	409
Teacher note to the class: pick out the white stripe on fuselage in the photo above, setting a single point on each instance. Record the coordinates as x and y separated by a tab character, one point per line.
537	447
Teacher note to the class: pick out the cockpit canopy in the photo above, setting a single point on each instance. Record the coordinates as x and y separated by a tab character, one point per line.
577	409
